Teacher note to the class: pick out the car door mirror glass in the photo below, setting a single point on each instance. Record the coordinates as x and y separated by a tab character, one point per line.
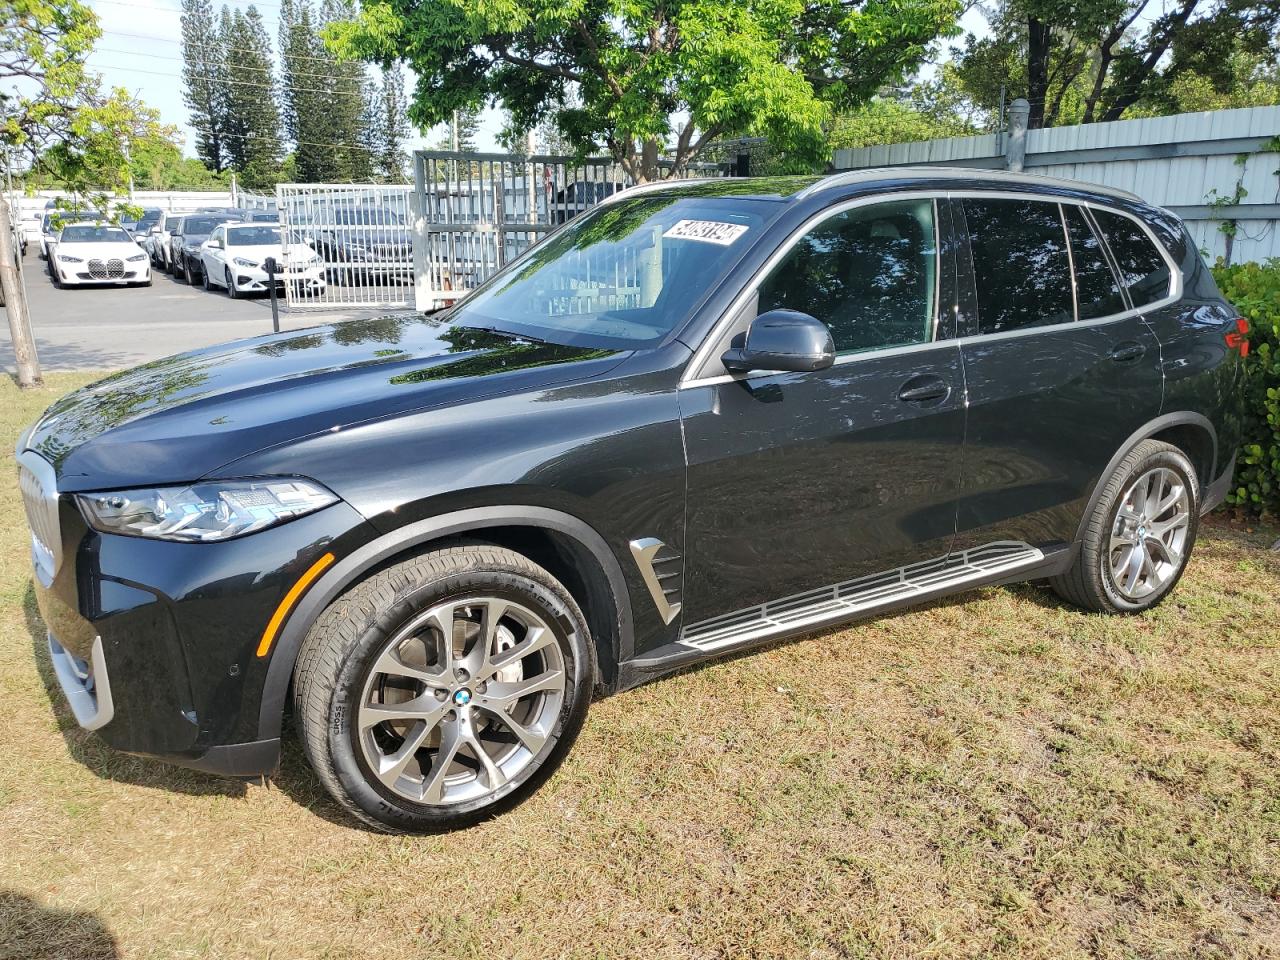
783	340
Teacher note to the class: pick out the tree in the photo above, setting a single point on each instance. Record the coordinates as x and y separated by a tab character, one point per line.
252	125
391	127
58	120
1100	60
204	80
466	126
772	68
327	103
889	120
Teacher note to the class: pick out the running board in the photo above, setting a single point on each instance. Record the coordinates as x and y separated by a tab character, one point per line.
990	563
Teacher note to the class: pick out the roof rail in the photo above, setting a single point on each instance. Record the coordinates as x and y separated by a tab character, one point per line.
847	177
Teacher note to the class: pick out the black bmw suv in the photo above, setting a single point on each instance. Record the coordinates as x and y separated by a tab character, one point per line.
700	417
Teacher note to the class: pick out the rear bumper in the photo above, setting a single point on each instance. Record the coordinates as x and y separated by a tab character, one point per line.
1216	492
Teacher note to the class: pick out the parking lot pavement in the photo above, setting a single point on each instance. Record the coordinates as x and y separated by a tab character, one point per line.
110	328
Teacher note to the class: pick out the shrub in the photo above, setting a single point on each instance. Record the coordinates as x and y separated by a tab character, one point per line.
1254	289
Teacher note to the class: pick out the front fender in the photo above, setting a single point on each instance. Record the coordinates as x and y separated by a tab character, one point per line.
351	568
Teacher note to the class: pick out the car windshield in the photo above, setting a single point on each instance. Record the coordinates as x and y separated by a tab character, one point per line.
623	275
192	226
264	216
85	233
367	217
252	236
52	220
148	220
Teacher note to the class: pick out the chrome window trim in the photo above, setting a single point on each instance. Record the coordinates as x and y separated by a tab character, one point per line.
700	356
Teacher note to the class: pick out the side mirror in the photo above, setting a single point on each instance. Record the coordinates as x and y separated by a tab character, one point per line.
783	340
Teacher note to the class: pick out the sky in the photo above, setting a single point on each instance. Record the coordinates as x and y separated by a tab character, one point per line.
140	50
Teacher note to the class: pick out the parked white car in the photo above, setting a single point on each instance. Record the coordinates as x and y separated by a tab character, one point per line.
235	254
98	253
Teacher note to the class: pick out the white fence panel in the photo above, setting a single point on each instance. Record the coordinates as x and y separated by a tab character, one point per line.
360	232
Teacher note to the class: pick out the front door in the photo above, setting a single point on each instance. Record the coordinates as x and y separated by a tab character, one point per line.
801	480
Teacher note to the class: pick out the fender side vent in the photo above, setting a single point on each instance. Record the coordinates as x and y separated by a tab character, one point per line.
663	574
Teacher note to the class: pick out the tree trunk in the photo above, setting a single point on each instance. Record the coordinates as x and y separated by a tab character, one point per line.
648	161
15	304
1038	43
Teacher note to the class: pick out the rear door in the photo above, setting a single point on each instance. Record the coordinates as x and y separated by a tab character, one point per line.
1060	370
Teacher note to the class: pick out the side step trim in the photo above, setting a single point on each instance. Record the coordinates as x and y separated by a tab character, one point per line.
846	600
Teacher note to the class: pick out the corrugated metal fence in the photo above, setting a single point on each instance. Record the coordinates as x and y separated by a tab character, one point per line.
1214	168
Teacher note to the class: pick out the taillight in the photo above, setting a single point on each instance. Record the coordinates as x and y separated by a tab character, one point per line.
1238	339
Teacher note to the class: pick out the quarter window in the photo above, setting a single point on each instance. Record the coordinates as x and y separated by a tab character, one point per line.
1143	271
1020	264
1097	292
869	274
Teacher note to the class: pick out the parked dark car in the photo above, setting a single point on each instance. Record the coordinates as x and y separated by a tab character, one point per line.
574	198
361	243
187	236
701	417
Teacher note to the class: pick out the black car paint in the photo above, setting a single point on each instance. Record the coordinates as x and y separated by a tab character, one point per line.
426	430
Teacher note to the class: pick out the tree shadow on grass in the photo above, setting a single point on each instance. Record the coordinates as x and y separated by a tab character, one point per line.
33	932
87	749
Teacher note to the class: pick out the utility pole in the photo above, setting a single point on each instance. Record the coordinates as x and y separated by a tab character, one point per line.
15	304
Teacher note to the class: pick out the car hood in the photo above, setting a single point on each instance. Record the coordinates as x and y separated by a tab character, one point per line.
181	418
98	251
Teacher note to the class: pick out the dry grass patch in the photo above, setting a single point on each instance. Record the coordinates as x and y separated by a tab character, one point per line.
993	776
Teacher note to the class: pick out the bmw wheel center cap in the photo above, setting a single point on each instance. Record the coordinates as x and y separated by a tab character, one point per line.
462	697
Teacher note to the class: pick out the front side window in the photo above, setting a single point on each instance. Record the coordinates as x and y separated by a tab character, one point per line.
622	275
1097	292
1143	271
1020	264
868	273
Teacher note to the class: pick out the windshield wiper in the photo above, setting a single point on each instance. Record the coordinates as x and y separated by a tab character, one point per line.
508	333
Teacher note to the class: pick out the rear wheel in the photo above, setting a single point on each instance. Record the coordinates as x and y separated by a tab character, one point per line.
444	689
1140	535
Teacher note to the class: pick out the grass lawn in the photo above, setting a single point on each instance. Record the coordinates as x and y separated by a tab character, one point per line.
993	776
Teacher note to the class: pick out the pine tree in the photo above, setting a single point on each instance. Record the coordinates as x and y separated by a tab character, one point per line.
203	75
306	81
392	127
467	123
253	120
348	115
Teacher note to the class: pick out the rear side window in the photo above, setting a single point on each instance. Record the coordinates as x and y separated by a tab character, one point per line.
869	274
1097	292
1020	264
1144	273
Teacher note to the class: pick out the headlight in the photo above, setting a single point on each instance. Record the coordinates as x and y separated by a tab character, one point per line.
136	258
67	258
245	262
202	512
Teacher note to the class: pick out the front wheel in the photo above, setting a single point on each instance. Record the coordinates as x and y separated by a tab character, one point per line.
1140	535
444	689
232	292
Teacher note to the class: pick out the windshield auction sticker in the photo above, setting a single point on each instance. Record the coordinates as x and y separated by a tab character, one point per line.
708	231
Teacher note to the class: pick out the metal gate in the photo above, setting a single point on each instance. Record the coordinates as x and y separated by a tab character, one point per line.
475	211
346	245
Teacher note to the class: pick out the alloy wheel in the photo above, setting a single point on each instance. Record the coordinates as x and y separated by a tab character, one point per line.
1149	534
461	700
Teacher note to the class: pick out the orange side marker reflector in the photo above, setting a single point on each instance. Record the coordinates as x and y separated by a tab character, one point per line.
290	598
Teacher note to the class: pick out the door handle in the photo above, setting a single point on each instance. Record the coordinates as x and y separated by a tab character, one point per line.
924	389
1127	352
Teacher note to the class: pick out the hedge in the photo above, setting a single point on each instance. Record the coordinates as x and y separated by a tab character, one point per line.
1254	289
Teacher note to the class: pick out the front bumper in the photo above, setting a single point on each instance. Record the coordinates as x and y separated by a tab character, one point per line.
153	643
254	280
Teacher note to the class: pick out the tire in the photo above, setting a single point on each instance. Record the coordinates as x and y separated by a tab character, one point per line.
187	273
232	292
204	281
1102	579
350	663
